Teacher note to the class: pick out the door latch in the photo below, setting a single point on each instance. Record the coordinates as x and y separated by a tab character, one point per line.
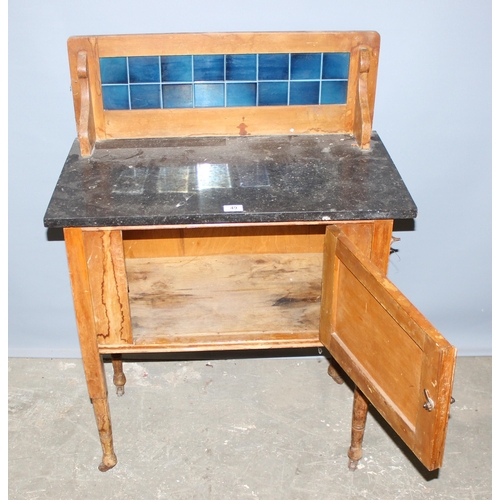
429	404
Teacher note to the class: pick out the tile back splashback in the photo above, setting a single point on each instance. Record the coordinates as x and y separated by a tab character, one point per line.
224	80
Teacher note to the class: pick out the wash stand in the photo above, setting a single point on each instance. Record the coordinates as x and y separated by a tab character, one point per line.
226	192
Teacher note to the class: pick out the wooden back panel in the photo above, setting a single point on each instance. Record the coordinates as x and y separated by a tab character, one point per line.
354	116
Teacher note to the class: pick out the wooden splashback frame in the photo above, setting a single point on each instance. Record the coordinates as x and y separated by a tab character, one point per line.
94	123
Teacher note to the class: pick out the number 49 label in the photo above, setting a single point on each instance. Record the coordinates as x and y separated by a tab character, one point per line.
233	208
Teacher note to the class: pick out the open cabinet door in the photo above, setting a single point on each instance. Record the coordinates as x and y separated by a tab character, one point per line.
397	359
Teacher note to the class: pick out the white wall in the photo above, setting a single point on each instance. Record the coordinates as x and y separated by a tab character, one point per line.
432	111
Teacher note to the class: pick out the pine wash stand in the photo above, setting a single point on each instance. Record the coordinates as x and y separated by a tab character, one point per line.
226	191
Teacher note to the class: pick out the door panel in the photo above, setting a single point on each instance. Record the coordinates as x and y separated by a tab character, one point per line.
391	352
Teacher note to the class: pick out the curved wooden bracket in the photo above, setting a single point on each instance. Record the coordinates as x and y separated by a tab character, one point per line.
84	124
362	115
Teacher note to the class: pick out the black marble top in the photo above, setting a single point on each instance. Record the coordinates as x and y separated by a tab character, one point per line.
206	180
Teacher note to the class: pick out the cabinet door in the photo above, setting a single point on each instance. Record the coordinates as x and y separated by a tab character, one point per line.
402	364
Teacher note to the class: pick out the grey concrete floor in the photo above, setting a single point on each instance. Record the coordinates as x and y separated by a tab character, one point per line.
242	428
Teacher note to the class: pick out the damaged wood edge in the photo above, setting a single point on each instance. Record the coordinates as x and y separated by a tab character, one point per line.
105	263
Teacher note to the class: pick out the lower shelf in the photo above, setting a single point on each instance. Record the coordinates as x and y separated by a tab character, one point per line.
225	301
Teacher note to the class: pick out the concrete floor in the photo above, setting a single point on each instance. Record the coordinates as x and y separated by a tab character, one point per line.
256	428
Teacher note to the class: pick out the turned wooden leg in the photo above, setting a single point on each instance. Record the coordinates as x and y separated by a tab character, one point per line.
359	413
91	358
332	371
118	375
103	419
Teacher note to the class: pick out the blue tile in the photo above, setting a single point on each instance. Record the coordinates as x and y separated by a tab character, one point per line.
208	95
144	69
305	66
177	68
273	93
334	92
115	97
145	96
241	67
209	68
273	66
304	92
336	65
113	69
241	94
178	96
